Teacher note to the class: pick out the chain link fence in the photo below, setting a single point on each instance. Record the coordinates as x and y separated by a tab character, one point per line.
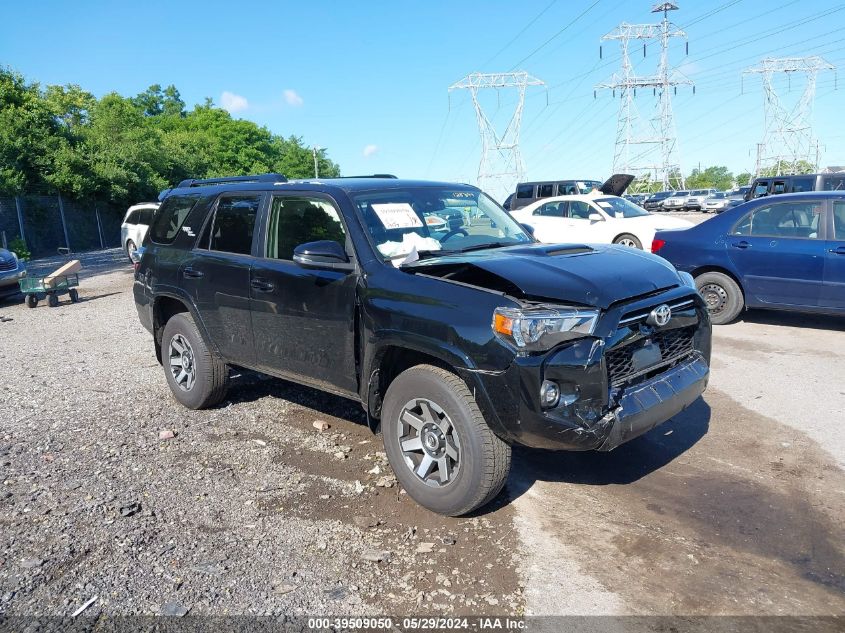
49	222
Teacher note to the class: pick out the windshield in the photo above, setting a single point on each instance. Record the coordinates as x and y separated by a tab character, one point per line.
680	194
620	208
401	222
719	194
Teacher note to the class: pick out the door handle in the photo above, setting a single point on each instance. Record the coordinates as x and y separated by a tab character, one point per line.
839	250
742	244
262	286
190	273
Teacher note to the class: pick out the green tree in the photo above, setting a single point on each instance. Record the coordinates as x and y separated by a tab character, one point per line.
29	135
744	178
715	177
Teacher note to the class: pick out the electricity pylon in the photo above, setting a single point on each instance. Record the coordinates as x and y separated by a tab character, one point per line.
788	131
501	165
647	149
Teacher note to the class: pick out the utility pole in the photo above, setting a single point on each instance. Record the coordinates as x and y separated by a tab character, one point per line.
788	131
314	150
501	165
649	147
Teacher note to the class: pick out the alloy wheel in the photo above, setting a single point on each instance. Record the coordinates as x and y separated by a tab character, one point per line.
181	358
429	443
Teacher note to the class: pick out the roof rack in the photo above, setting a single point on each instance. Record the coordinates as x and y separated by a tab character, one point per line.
194	182
371	176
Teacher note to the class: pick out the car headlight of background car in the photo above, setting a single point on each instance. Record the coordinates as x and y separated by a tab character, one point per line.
540	330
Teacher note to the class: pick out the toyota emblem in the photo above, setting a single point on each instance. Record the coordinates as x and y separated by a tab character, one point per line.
659	316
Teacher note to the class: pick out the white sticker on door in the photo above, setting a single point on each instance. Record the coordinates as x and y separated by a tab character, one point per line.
397	215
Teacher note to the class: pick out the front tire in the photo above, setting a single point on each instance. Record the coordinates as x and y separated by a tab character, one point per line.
626	239
438	443
197	378
31	301
722	295
130	248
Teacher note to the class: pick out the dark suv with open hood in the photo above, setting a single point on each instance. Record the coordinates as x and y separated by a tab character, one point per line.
458	342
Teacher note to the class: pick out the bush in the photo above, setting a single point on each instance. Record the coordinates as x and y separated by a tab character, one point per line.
18	247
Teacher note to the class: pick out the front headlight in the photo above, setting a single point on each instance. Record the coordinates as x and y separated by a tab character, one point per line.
536	330
686	279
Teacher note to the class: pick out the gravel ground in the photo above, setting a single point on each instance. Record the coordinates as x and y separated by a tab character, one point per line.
248	509
734	507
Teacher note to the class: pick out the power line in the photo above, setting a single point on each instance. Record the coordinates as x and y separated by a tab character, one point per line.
556	35
517	36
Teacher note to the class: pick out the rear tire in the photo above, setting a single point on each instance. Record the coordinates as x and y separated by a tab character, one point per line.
52	300
130	248
74	295
440	407
722	295
197	378
626	239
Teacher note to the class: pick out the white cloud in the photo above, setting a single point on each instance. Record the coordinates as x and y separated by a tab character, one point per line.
293	98
232	102
369	150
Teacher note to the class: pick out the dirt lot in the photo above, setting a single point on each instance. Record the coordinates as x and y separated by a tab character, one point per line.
735	506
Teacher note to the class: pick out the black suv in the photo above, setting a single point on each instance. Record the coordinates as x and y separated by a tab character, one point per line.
795	183
457	342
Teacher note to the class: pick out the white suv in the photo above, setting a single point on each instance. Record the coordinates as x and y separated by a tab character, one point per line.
676	202
135	224
696	198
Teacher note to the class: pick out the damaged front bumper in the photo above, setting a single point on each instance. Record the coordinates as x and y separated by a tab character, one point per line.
590	415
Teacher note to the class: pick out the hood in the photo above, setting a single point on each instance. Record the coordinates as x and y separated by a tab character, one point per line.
616	184
595	275
6	255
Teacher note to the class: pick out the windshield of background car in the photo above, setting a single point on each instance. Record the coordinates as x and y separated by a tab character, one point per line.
719	194
620	208
400	221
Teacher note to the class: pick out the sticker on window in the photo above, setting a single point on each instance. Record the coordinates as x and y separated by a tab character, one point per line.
397	215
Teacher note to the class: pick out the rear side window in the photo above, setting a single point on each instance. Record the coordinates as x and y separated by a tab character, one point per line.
803	184
525	191
834	183
566	189
298	220
170	218
839	220
132	218
545	191
552	209
787	220
234	224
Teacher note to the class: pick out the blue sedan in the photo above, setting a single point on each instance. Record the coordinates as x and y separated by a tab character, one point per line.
781	252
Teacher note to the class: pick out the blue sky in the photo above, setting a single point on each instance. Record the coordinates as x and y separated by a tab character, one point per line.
368	80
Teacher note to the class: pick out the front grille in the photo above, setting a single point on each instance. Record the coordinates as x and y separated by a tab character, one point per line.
640	316
673	344
7	264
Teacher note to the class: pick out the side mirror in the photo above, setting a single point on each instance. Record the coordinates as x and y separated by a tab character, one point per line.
528	229
595	217
326	254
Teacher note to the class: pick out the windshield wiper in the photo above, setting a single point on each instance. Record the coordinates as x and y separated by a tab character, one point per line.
480	247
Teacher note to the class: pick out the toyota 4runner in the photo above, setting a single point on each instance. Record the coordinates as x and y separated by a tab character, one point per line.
458	342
